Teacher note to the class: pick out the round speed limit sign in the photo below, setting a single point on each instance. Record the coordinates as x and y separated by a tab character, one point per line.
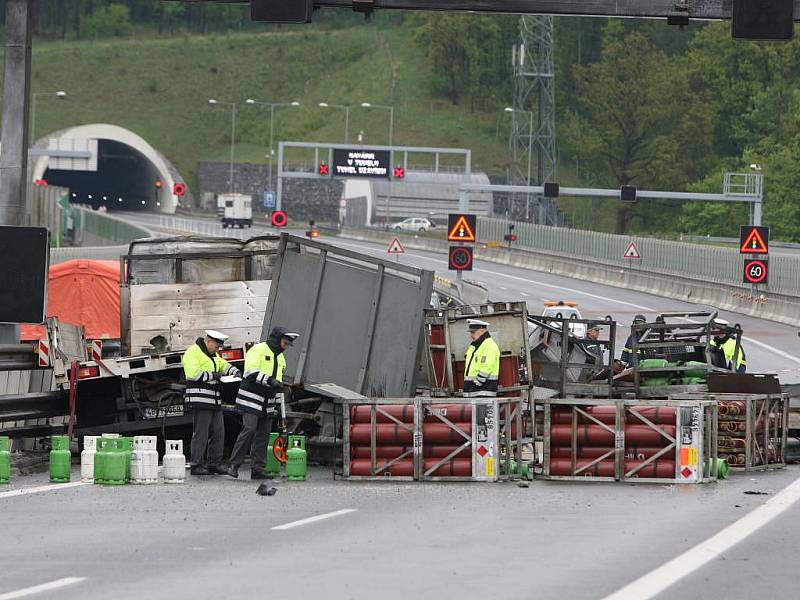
756	271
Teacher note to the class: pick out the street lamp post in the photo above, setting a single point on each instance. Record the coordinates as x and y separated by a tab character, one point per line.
508	109
391	116
391	133
60	94
214	102
272	107
346	116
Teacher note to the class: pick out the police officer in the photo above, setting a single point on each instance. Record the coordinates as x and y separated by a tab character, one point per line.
725	342
591	344
482	368
263	374
204	367
626	358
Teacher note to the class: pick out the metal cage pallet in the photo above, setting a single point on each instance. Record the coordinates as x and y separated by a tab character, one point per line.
493	433
627	437
753	428
446	342
566	363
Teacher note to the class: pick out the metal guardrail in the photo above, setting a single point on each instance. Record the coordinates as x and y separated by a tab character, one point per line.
93	226
706	263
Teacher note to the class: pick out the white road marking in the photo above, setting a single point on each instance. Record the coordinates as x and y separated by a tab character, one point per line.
44	587
301	522
749	340
41	488
658	580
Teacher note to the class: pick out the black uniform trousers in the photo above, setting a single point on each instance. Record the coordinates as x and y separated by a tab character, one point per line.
208	436
253	438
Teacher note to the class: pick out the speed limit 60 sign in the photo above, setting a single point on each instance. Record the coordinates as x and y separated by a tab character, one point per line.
756	271
460	258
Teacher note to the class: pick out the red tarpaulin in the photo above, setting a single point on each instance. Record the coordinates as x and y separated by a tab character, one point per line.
83	292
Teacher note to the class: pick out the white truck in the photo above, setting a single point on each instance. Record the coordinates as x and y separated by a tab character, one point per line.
237	210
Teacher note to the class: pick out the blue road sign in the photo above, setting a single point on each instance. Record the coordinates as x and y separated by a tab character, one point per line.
269	200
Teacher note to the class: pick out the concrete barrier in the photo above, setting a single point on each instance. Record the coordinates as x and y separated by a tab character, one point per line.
765	305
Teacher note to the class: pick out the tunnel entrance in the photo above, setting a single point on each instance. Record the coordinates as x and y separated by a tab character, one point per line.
130	175
125	180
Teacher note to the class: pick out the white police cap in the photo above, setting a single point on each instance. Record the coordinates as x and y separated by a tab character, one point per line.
477	324
217	336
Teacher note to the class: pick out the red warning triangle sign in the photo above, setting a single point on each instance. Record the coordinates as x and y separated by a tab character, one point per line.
754	243
395	247
461	231
632	251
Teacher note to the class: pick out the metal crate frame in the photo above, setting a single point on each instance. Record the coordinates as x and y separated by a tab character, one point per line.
754	444
447	316
697	333
595	388
501	439
706	412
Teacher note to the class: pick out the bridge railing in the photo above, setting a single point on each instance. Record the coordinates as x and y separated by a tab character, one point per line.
696	261
94	228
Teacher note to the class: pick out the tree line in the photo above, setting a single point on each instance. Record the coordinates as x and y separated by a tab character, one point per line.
641	103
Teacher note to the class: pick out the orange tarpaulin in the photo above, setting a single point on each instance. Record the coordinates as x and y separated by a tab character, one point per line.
83	292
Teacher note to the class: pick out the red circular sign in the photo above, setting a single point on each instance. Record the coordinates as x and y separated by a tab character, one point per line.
179	189
279	218
755	271
460	258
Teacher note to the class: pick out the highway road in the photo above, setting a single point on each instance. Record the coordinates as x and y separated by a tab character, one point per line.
214	537
771	347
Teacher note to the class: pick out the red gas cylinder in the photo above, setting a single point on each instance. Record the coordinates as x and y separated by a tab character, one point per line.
395	451
458	374
509	370
405	413
457	467
660	415
632	453
395	435
661	469
596	435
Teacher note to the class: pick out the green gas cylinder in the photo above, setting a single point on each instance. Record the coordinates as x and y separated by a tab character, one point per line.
60	459
657	378
126	446
103	448
114	460
296	459
273	466
5	460
723	468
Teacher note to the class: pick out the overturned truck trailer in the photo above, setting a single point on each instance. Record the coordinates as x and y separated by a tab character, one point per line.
360	321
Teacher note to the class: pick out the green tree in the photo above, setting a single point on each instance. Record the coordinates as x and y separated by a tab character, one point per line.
107	21
469	54
641	124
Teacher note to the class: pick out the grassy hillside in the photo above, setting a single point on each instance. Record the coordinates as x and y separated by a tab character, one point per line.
159	88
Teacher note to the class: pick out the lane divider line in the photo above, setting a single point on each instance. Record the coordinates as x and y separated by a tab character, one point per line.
41	488
44	587
302	522
658	580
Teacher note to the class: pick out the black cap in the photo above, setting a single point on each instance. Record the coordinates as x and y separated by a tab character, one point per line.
639	319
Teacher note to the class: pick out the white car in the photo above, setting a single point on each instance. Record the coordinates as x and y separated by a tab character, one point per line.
566	310
413	224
